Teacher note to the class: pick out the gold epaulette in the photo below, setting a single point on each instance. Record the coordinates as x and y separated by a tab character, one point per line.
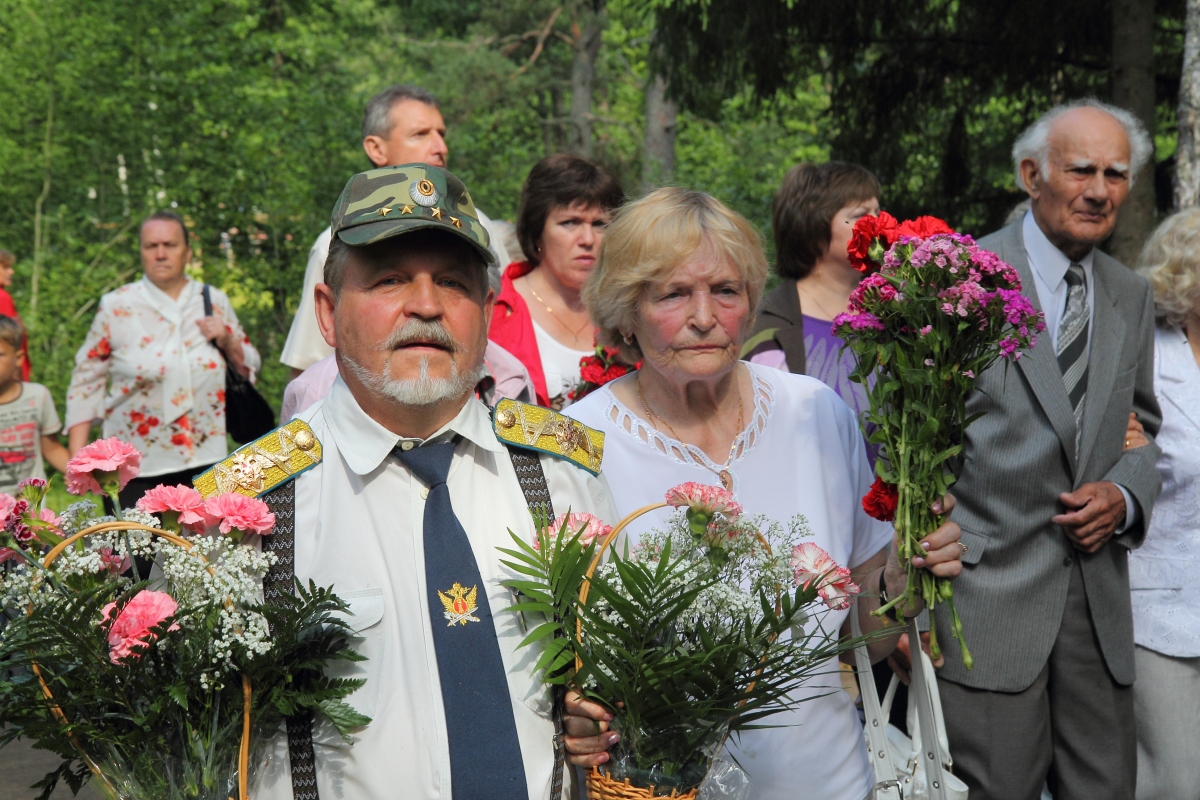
265	463
547	431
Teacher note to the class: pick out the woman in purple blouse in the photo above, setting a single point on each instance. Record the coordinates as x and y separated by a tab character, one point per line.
813	216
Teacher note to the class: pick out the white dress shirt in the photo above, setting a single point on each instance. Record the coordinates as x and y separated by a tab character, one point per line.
1162	572
305	346
1049	266
359	522
801	453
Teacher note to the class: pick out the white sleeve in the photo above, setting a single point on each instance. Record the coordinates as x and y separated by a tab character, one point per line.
305	346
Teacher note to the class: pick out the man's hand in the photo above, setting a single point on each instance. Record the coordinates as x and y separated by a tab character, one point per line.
587	735
1094	511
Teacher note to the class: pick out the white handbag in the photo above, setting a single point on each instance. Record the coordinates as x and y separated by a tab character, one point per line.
907	768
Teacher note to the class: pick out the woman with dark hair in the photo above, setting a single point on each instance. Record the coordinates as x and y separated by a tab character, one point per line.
566	203
813	216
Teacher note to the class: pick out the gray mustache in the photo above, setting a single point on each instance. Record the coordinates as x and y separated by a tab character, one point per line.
421	330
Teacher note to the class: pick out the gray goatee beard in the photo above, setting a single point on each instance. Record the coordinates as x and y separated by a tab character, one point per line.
422	390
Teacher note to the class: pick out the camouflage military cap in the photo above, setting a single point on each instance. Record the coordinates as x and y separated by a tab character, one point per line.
391	201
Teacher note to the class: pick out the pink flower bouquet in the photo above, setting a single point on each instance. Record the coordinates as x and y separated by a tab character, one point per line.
939	312
144	683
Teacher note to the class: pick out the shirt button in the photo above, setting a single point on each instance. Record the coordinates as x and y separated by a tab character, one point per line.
424	494
1067	561
406	445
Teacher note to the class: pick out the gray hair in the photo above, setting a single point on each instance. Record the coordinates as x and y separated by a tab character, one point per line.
1034	142
377	118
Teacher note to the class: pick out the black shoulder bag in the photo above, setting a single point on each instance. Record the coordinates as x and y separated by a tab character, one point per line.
247	414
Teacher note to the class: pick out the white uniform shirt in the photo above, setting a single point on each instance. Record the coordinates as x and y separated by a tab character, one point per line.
359	521
801	453
146	371
305	346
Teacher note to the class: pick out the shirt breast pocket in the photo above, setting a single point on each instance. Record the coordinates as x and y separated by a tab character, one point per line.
368	640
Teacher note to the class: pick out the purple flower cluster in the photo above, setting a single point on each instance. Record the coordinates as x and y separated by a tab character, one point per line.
963	281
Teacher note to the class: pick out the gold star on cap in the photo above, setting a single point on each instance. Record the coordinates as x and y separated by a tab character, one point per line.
383	212
437	212
406	209
456	222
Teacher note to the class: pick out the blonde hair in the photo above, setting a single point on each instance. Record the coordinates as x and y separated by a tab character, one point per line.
1171	262
654	235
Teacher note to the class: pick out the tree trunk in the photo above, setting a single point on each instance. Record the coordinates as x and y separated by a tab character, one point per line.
1187	156
589	28
658	144
1133	89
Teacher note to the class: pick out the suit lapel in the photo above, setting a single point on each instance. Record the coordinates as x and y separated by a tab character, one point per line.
1108	332
1040	365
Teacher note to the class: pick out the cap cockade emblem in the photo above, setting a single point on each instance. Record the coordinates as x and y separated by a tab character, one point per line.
460	604
424	193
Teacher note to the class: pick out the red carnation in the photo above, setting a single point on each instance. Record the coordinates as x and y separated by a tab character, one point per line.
871	238
923	227
881	501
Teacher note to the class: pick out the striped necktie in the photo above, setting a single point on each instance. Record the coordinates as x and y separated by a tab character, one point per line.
1073	344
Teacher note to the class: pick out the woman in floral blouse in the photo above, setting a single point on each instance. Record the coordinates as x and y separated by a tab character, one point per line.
149	370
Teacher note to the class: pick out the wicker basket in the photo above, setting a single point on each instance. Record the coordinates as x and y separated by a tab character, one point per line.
599	785
244	748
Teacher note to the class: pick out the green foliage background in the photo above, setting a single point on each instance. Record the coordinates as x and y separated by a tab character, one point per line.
244	116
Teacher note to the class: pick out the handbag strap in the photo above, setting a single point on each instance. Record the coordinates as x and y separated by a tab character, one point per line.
931	733
279	587
886	786
207	295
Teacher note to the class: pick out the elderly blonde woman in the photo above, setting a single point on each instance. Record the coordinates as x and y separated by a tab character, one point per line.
674	288
1162	573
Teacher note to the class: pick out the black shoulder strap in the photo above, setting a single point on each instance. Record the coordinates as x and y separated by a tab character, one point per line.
532	478
279	587
207	295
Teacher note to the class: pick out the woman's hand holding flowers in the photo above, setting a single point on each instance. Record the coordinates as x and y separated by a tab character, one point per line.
943	557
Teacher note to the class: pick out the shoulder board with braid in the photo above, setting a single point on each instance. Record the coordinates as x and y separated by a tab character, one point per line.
264	464
546	431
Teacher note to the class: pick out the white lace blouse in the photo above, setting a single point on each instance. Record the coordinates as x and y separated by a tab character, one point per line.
1162	572
801	453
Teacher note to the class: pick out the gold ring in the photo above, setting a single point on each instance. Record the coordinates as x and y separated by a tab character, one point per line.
1127	443
964	547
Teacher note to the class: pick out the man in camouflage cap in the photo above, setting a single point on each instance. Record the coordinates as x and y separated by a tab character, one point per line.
414	493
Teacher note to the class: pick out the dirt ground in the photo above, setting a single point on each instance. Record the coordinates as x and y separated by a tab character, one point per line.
21	766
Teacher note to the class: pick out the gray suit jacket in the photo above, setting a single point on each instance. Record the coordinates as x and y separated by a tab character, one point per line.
1021	455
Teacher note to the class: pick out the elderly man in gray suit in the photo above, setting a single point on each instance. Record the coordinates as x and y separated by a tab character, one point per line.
1049	502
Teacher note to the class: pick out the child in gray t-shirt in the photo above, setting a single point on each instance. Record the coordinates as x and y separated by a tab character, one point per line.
28	419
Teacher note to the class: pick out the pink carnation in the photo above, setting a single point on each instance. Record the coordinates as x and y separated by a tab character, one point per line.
812	564
247	514
7	504
102	458
48	516
129	632
184	501
592	526
111	562
7	553
706	499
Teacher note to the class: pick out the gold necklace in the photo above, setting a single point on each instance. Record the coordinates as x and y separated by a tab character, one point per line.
549	310
723	473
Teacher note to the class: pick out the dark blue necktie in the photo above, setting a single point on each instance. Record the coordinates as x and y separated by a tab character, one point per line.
485	754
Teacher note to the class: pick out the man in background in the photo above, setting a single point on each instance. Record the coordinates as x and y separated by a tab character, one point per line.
1049	502
401	125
